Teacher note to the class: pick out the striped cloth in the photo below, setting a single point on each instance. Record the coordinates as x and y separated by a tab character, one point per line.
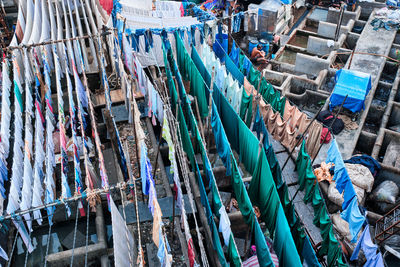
253	261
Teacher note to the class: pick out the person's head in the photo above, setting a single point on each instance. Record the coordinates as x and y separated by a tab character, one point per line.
259	47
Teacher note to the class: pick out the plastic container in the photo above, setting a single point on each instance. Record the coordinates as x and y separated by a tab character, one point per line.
222	46
358	29
252	43
265	45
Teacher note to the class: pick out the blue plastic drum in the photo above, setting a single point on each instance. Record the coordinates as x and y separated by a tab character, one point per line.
252	43
265	45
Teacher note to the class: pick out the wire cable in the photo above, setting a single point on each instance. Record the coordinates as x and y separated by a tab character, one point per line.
74	241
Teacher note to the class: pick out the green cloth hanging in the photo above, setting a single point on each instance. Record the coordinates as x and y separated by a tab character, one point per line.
248	147
190	73
195	77
282	246
170	81
254	76
307	180
233	254
263	194
245	206
245	104
217	245
263	255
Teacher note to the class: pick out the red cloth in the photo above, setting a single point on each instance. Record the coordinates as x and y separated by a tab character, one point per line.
326	132
190	252
107	5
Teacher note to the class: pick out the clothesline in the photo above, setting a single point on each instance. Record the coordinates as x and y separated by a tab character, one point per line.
84	195
106	31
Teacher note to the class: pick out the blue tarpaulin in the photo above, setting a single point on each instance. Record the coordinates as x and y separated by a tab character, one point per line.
355	85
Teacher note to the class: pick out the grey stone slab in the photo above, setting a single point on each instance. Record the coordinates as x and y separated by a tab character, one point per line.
119	112
311	65
80	240
371	41
144	212
152	258
110	166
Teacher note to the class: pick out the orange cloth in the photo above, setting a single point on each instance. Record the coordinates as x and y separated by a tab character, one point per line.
280	127
289	111
289	140
322	173
271	121
297	117
156	222
303	123
313	139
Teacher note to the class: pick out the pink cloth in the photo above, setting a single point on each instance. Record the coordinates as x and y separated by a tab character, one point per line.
253	261
107	5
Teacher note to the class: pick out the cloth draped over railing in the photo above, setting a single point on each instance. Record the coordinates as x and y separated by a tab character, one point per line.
50	123
155	111
217	206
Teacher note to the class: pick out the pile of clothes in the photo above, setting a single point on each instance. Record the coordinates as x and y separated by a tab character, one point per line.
387	18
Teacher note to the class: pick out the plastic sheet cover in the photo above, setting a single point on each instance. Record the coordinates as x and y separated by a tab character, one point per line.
355	85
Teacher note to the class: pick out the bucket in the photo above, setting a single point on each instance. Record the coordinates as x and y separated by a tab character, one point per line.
252	43
265	45
358	29
221	47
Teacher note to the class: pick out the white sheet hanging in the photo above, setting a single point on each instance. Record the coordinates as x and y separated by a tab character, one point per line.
122	237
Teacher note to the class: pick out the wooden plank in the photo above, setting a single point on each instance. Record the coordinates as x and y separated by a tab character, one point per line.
117	96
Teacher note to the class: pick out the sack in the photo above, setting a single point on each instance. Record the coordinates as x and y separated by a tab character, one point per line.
386	192
360	176
327	117
337	198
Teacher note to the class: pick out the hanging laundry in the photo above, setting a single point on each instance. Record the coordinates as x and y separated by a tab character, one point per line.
354	217
351	212
122	238
5	109
236	20
25	236
220	140
18	158
224	225
234	54
369	248
3	254
171	156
